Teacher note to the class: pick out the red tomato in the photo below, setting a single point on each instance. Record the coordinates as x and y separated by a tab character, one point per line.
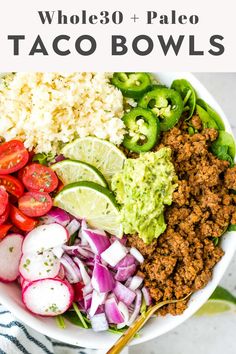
4	216
35	204
39	178
3	200
12	185
4	230
78	287
20	174
20	220
13	156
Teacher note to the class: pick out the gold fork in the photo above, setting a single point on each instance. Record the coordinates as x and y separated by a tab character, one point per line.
138	324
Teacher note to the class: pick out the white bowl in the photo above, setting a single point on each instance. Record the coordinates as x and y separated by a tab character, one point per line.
10	294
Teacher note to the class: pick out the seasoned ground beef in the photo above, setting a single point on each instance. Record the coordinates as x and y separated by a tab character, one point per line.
181	260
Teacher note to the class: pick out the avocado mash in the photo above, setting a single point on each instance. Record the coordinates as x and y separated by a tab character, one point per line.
143	188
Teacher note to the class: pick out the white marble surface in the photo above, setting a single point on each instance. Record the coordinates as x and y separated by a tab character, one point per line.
215	334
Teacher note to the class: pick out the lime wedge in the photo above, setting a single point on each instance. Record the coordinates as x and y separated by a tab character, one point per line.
70	171
220	301
103	155
92	202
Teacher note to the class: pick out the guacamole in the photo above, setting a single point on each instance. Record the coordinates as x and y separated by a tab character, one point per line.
143	188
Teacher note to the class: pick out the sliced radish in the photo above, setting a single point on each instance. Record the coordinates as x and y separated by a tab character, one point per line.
39	266
10	254
24	283
58	251
45	237
48	297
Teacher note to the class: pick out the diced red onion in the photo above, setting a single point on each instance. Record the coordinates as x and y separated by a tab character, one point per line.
78	250
122	240
70	278
85	252
123	273
98	240
128	281
147	296
81	233
112	311
114	254
90	263
135	282
87	301
61	273
60	158
102	279
89	271
137	307
71	269
126	261
97	300
97	259
99	322
100	309
85	277
71	250
73	226
87	289
124	294
137	255
83	224
77	240
56	215
125	312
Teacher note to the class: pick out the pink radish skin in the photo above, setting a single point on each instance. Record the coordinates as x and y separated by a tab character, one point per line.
45	237
48	297
10	254
24	284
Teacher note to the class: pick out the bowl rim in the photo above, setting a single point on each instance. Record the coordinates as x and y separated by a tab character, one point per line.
197	299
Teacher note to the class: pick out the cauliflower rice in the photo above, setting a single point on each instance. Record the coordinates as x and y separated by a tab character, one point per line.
46	110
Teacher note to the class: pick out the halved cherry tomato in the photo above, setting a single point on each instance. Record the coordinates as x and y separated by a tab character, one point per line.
35	204
4	216
4	230
3	200
20	173
20	220
39	178
12	185
13	156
